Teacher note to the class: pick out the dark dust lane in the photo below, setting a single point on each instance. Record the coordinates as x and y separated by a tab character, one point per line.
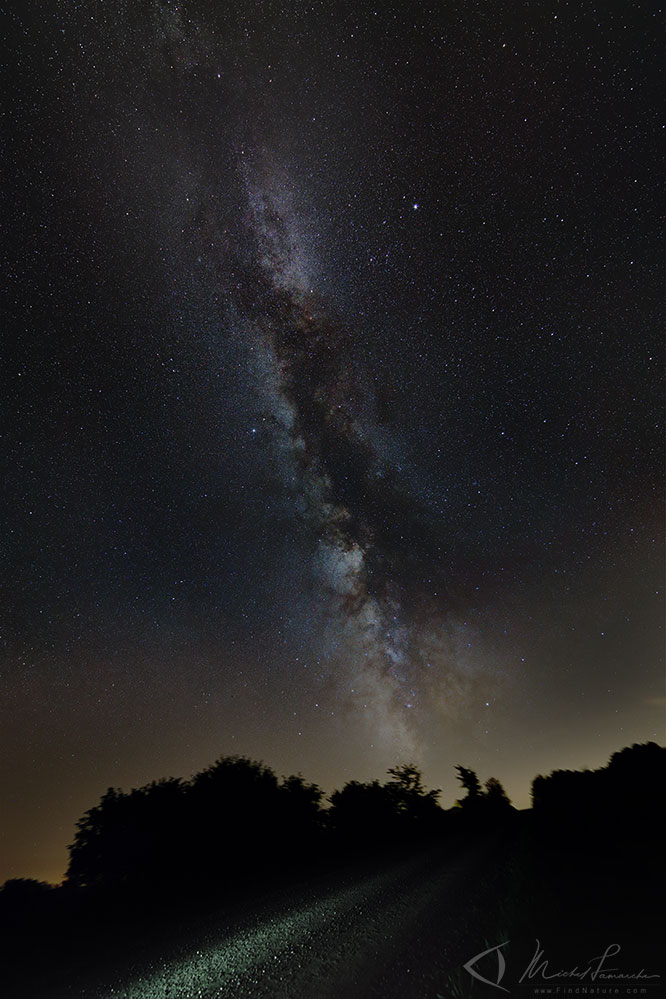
394	933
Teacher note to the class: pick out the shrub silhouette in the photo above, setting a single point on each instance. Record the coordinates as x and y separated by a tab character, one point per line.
363	813
231	823
418	808
485	806
231	806
300	820
18	894
129	838
496	798
374	814
622	799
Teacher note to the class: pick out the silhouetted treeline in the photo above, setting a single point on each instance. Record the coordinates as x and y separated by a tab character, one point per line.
157	859
153	859
624	798
236	824
232	823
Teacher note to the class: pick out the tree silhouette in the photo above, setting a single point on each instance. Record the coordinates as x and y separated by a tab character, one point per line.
417	807
495	795
302	800
471	784
622	793
299	827
363	813
209	832
130	838
399	810
408	779
483	807
231	803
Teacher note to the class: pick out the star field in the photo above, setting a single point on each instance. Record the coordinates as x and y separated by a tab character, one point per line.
332	395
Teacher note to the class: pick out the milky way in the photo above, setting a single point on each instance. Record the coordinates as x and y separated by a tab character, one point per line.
375	547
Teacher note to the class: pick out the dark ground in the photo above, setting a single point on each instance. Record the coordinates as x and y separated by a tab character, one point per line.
396	927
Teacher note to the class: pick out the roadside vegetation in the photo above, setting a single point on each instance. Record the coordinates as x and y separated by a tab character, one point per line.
155	861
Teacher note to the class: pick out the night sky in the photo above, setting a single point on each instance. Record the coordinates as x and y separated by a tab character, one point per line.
331	391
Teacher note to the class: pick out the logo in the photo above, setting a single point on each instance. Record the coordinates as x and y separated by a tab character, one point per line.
501	966
598	974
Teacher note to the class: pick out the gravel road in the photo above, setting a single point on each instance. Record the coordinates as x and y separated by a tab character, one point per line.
398	932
